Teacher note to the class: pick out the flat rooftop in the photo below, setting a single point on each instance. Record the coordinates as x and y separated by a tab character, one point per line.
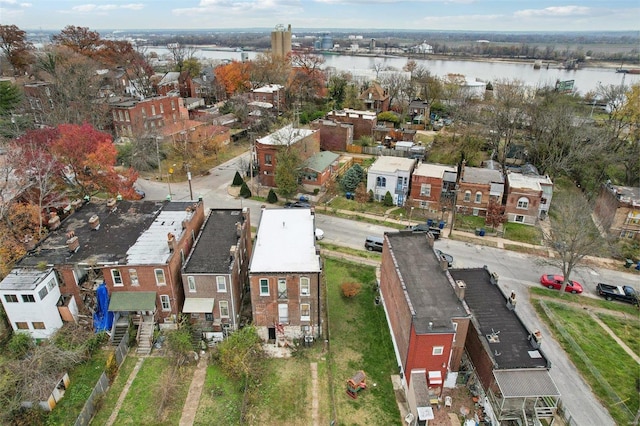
24	278
489	308
388	164
288	135
433	170
285	242
428	287
481	176
211	251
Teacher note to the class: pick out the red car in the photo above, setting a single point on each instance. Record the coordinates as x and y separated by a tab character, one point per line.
555	282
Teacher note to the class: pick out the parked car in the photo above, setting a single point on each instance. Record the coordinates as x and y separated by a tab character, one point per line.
297	204
423	227
623	293
555	282
374	243
140	193
446	257
319	234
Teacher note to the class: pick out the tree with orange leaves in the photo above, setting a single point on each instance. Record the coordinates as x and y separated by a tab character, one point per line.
234	77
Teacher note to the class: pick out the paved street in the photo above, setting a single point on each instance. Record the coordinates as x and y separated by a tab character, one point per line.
516	272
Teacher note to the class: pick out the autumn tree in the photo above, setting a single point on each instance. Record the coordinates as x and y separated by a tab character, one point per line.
19	229
572	234
79	39
362	196
307	80
15	47
269	69
495	214
338	89
234	77
623	131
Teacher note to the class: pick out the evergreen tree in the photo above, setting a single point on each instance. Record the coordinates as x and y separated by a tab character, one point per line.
352	178
237	180
388	199
272	197
245	192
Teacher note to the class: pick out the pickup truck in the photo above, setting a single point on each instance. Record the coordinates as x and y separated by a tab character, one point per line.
617	292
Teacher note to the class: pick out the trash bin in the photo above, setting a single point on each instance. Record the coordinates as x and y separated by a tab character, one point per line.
628	263
441	224
482	232
348	195
638	266
477	231
429	222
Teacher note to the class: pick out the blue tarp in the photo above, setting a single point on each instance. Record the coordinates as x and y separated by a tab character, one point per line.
102	319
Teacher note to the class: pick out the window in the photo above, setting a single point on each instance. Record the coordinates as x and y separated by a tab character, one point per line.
22	326
164	301
478	197
282	288
283	313
222	284
153	110
381	181
51	284
43	292
191	281
305	312
267	159
437	350
475	212
424	204
264	287
181	257
115	115
28	298
519	218
117	278
208	317
161	108
120	115
160	280
173	106
305	286
126	116
523	203
133	276
11	298
224	309
467	196
38	325
425	190
144	112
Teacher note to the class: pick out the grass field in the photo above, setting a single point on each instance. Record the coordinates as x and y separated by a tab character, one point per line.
109	400
593	351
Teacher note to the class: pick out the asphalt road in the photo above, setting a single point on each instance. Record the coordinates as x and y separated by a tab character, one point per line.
516	272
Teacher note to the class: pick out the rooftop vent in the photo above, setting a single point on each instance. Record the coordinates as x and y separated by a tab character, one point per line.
461	287
171	240
111	202
54	222
94	222
72	242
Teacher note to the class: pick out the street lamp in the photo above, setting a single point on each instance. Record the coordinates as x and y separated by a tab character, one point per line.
410	214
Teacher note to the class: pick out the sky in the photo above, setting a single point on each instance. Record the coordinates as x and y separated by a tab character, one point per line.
461	15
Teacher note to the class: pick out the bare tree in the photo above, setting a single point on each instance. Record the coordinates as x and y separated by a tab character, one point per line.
572	234
181	53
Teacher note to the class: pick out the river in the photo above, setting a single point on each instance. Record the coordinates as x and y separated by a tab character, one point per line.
585	79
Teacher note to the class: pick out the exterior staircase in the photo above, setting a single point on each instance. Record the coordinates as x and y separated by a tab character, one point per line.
120	331
145	335
196	337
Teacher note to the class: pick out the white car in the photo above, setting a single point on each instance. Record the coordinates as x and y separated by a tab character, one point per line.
319	234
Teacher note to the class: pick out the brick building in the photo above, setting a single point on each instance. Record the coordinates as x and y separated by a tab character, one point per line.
376	98
476	187
363	121
433	186
528	197
334	135
617	210
135	118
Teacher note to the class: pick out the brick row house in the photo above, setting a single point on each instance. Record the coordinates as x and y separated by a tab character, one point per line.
476	188
363	121
617	210
270	93
433	187
215	275
285	276
334	135
528	197
457	326
306	142
375	98
136	248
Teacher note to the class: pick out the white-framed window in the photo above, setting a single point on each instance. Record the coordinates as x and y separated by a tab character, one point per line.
224	308
519	218
173	106
467	196
523	203
144	112
264	286
133	276
165	303
153	110
28	298
20	325
43	292
478	197
455	330
475	212
283	313
51	284
181	257
381	181
117	278
437	350
305	286
161	108
191	282
267	159
282	288
425	190
222	284
126	116
424	204
160	279
305	311
11	298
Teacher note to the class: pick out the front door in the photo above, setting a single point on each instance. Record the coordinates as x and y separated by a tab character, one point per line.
272	333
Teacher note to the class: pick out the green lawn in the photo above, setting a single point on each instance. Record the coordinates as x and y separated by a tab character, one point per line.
83	379
141	404
593	352
341	203
468	222
360	340
522	233
221	399
111	397
625	328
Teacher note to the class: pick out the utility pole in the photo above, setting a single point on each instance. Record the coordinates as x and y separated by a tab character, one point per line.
189	179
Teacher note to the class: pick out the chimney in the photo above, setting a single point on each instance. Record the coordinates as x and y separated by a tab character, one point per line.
511	301
54	222
111	202
232	253
238	229
171	240
462	166
76	204
94	222
461	286
72	242
536	339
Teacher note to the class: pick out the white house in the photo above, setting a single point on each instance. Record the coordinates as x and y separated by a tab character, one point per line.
30	298
391	174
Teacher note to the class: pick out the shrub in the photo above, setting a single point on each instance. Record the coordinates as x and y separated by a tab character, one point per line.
388	199
245	192
19	345
370	195
350	289
237	180
272	197
111	366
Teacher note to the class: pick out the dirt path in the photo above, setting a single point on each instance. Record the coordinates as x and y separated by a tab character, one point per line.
314	393
195	390
124	392
622	344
